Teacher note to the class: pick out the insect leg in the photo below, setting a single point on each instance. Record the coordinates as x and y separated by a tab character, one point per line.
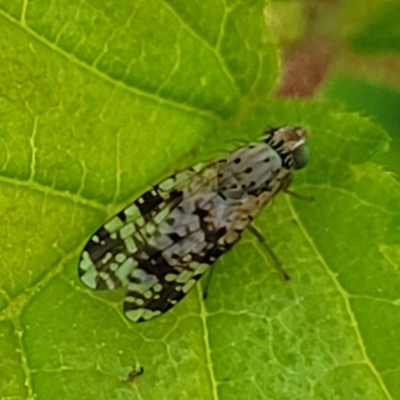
274	257
285	188
207	283
300	196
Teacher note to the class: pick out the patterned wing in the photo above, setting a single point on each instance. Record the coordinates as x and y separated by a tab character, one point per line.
171	262
159	246
112	253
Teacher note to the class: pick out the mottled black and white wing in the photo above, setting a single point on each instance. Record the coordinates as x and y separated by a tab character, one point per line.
152	246
109	256
187	243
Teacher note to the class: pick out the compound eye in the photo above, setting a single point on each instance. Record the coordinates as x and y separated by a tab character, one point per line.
300	156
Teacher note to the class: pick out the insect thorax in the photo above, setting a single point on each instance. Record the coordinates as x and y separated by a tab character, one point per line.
262	166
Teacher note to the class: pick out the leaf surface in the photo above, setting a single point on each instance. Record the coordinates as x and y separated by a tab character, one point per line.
99	102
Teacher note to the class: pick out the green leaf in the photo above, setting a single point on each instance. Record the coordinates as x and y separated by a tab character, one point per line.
372	29
376	100
100	101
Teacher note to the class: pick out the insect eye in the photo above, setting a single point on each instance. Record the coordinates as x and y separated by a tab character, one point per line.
300	156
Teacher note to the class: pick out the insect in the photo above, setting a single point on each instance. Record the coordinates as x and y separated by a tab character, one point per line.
134	374
162	243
